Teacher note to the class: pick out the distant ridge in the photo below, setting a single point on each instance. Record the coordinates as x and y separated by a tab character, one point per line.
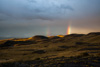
93	37
40	37
94	33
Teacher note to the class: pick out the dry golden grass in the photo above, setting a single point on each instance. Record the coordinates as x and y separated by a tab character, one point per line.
66	46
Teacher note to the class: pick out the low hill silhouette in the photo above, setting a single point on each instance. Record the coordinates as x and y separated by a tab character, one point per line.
94	33
39	38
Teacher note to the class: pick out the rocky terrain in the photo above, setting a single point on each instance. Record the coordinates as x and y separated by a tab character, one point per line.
74	50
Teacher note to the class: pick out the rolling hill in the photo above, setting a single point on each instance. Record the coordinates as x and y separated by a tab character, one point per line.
74	50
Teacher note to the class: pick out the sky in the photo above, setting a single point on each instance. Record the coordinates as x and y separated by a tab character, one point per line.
26	18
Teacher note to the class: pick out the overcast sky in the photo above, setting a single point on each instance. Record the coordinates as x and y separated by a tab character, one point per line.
26	18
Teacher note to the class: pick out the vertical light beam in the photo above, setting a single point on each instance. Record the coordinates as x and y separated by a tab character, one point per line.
68	30
48	32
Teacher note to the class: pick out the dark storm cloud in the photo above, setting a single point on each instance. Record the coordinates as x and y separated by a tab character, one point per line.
32	17
32	9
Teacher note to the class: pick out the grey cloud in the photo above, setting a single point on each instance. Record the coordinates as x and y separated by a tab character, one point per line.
67	7
31	9
33	17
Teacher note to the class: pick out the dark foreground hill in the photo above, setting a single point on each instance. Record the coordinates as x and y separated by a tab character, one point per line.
74	50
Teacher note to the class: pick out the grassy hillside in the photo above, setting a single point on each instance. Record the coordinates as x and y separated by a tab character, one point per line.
40	51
